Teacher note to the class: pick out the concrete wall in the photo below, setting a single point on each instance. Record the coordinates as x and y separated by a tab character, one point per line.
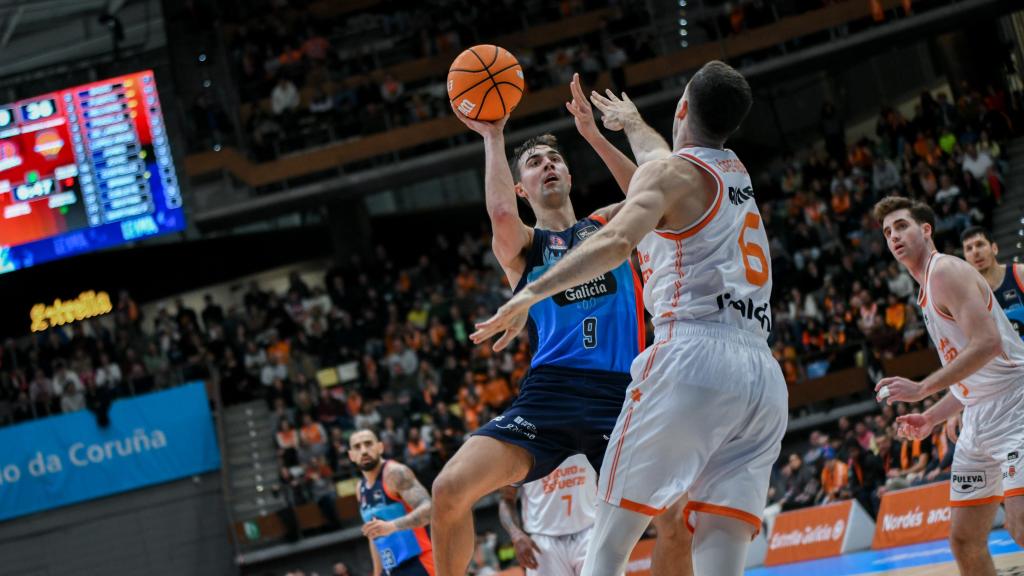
174	529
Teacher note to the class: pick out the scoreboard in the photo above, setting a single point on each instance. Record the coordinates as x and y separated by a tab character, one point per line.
85	168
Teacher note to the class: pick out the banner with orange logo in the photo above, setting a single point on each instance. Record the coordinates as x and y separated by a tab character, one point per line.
819	532
913	515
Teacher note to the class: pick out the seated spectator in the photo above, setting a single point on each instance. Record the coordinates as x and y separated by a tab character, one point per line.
313	436
977	163
287	442
281	411
320	478
284	98
108	374
392	437
834	479
914	457
802	486
276	370
337	455
866	474
416	450
368	417
330	411
67	383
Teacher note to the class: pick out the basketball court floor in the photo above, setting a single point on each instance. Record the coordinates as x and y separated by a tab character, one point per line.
929	559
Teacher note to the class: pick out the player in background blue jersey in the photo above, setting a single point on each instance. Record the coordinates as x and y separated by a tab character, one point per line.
395	508
583	340
1005	280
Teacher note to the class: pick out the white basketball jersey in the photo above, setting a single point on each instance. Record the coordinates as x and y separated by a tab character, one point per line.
562	502
718	269
993	379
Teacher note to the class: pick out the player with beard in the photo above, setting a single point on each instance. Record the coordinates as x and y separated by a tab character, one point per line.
395	508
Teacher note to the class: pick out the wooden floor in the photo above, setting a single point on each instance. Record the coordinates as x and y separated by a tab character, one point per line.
925	559
1006	565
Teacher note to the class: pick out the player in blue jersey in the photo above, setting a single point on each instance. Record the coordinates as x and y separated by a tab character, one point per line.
395	508
1005	280
583	339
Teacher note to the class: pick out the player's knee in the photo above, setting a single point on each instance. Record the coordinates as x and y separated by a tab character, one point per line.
449	495
965	544
1016	529
673	529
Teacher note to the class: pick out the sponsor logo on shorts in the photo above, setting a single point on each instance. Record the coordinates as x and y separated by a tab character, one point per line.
1012	456
586	232
969	482
1012	471
520	426
759	312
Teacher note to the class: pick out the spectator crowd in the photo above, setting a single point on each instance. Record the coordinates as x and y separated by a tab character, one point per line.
398	335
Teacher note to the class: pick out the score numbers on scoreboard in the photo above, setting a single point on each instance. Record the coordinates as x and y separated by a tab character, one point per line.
38	110
6	117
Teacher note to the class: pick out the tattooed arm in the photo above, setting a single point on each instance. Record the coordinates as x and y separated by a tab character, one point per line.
526	549
399	478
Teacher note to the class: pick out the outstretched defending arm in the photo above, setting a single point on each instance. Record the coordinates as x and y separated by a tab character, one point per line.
621	167
621	114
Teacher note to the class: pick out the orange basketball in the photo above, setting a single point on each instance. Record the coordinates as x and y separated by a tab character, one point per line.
485	82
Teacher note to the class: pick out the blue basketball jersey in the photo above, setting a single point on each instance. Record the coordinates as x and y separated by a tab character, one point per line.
1010	295
377	502
598	325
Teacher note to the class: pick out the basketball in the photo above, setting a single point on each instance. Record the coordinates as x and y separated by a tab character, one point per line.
485	82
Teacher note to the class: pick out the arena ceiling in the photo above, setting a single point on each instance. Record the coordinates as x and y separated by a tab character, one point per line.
39	34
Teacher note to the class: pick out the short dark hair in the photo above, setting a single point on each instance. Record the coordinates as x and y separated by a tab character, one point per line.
524	149
370	430
719	99
973	231
919	211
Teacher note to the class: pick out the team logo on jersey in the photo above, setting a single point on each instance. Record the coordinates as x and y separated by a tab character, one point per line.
1010	294
586	232
557	243
747	309
740	195
603	285
1012	456
968	482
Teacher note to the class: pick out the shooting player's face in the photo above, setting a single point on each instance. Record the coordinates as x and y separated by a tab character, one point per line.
544	176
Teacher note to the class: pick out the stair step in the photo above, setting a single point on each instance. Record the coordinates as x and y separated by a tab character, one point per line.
246	459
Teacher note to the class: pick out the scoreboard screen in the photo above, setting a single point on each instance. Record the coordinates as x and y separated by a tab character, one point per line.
85	168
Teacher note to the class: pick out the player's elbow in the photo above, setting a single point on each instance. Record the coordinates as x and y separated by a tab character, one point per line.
992	344
503	215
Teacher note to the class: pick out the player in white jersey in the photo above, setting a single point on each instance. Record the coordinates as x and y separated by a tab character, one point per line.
558	514
707	407
983	368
